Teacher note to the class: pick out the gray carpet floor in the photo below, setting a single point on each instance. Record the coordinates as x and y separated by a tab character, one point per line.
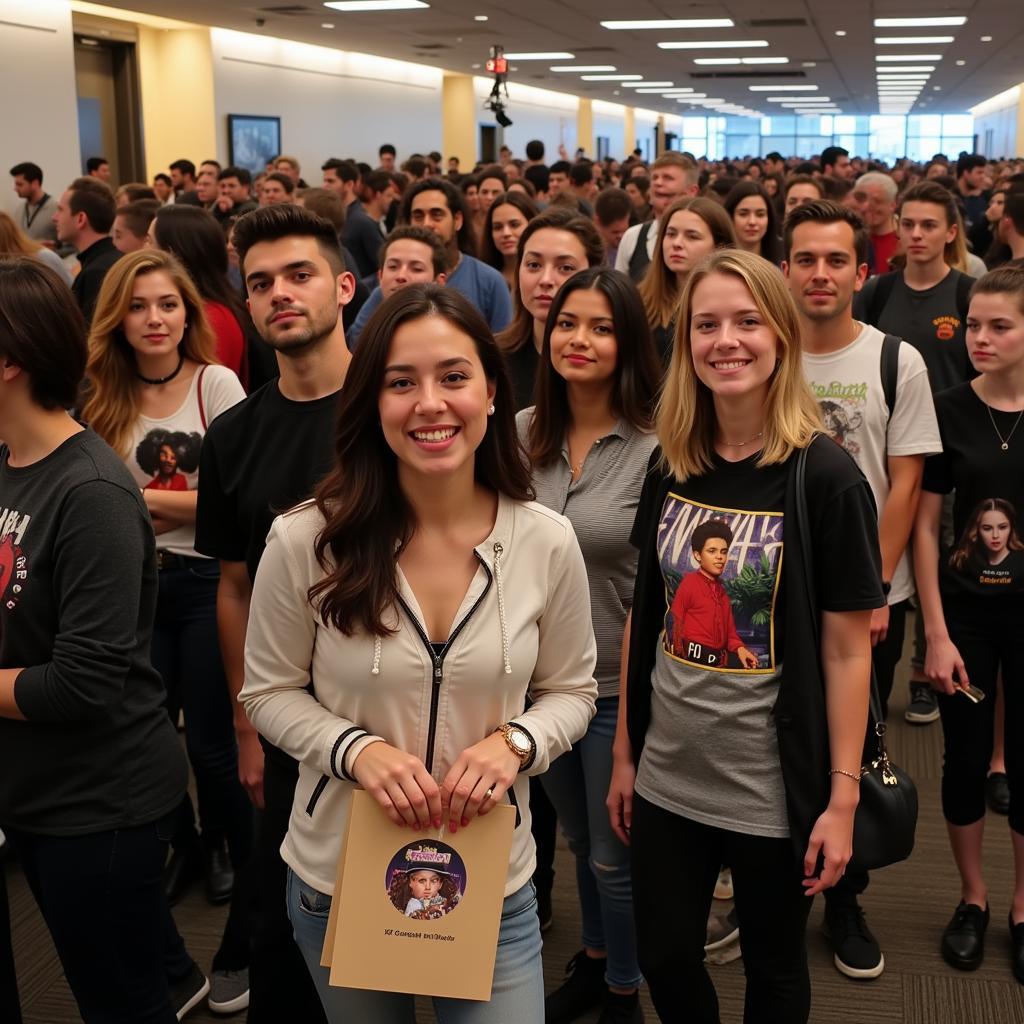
907	906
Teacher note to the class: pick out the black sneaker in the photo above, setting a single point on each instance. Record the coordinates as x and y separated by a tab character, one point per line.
620	1009
188	993
582	990
855	950
963	941
924	705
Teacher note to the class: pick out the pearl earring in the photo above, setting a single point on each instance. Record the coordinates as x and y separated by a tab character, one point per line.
490	409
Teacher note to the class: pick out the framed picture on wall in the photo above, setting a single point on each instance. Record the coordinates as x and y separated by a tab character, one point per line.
253	140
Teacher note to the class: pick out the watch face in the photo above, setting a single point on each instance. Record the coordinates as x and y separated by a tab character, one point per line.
520	740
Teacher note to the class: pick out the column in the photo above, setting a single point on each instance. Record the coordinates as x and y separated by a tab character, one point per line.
661	147
459	119
585	127
628	134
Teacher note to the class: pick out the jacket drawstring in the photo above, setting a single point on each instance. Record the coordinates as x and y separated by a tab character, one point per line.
498	549
376	655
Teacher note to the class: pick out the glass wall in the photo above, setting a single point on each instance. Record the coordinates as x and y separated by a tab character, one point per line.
885	137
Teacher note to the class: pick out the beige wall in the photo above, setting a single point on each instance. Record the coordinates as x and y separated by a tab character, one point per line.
176	79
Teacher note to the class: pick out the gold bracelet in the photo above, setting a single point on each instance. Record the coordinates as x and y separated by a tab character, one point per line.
842	771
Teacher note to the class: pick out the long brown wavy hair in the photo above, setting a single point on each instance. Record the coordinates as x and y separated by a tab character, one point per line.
367	517
111	398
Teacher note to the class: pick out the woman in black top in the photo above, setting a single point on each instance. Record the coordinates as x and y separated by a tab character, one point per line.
972	598
739	740
90	767
754	220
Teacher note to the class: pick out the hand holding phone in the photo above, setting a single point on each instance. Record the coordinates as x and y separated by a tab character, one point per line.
972	693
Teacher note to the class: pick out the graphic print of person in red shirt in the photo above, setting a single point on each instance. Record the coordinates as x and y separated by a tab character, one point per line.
703	627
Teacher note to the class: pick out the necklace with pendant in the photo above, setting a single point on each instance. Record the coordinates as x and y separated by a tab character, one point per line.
1004	442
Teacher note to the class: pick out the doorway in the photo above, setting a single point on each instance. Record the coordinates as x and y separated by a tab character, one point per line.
109	125
488	144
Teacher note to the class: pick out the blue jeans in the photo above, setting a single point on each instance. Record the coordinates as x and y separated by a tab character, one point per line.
517	993
577	784
186	653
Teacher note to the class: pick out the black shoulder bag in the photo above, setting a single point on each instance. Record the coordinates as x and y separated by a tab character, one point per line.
883	829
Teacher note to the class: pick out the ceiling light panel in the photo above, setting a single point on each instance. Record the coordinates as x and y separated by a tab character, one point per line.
899	68
911	40
540	56
714	44
669	24
650	85
896	57
783	88
946	22
578	68
375	5
611	78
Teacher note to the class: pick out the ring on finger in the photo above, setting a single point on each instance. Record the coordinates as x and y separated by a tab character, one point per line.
489	793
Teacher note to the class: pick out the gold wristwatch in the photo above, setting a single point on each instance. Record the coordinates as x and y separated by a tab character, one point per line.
520	742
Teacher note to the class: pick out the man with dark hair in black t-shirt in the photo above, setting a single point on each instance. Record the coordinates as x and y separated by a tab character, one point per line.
260	458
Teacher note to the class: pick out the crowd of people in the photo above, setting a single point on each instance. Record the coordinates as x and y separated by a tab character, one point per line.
473	488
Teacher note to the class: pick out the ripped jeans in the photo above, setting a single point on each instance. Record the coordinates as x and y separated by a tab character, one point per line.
577	785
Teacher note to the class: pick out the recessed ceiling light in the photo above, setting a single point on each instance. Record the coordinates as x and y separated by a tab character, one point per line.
584	67
910	40
919	22
327	24
960	63
937	88
986	39
782	88
375	5
670	24
765	60
643	89
540	56
611	78
895	58
650	85
909	67
716	61
714	44
903	78
840	32
476	67
692	98
798	99
479	17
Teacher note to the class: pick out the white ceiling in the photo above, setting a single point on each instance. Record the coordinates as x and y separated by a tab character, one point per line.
447	36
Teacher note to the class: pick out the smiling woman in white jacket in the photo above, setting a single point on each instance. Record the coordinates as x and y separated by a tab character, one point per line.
400	621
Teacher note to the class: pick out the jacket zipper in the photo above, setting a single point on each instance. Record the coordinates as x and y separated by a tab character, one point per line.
437	660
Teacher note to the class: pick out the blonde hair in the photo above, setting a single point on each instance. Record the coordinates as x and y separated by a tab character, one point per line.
111	406
14	241
955	253
686	413
659	287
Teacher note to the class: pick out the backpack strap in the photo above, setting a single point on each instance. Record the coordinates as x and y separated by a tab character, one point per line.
199	392
639	260
890	368
879	297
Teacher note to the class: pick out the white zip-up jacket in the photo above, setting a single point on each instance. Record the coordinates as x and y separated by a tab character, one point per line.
523	630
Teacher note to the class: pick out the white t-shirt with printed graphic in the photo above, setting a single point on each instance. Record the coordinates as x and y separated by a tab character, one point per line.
848	387
164	452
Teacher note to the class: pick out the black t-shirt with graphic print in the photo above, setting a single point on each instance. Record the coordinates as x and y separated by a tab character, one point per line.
987	558
930	320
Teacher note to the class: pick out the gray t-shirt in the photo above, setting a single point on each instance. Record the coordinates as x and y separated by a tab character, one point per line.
601	505
37	220
711	752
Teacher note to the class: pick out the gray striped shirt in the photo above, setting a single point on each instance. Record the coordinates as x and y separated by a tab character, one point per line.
601	506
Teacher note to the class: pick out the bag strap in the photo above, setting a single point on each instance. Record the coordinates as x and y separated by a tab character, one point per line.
880	293
199	389
803	529
890	370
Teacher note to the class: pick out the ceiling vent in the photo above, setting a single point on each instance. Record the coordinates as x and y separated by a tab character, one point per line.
287	10
777	23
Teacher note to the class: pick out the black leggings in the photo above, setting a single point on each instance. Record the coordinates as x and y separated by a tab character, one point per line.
989	636
675	864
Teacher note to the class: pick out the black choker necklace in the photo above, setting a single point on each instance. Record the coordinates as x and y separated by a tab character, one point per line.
163	380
